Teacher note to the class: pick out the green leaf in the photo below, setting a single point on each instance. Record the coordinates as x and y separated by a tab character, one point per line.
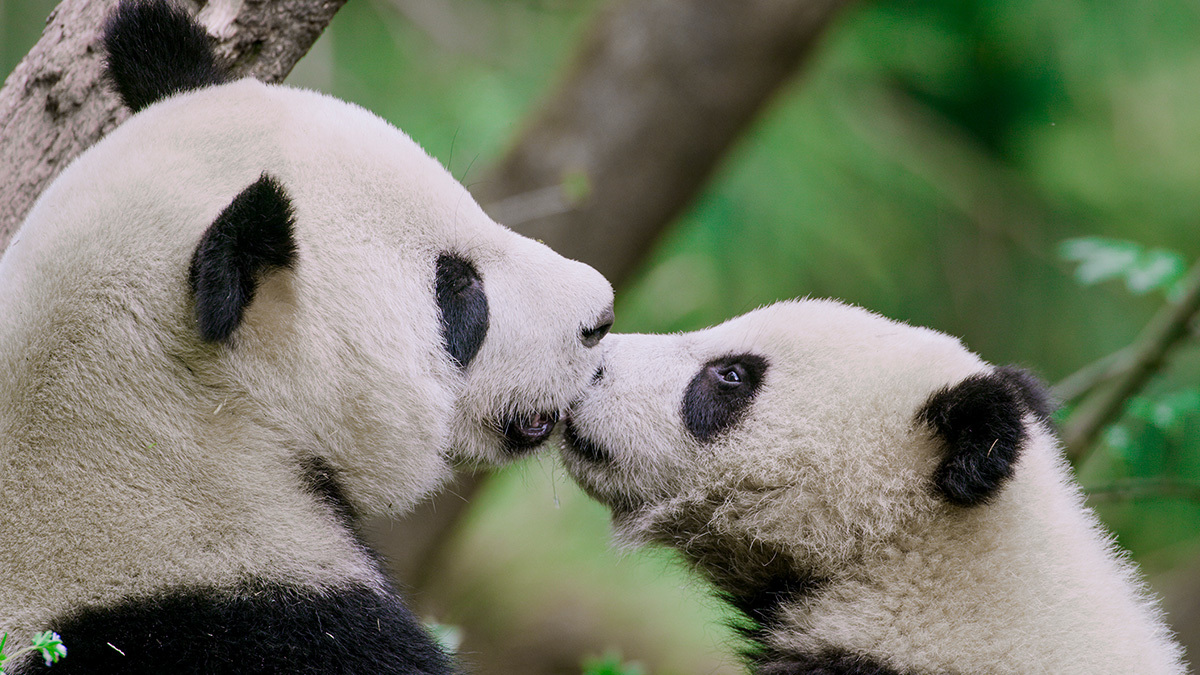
1167	411
1156	269
1099	259
1102	259
1170	409
50	645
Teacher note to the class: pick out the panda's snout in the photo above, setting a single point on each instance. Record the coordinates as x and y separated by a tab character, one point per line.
584	447
592	336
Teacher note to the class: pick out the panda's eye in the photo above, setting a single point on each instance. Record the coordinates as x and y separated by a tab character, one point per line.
731	375
720	393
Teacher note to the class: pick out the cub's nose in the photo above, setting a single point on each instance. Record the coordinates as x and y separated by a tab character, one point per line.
592	336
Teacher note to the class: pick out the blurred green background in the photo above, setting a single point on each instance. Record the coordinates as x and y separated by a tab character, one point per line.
929	163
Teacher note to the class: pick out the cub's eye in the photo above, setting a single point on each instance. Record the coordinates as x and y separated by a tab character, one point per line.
720	393
731	375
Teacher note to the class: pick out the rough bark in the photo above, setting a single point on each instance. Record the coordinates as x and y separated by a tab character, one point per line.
657	95
55	103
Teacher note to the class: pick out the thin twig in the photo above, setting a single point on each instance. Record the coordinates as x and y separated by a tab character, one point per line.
1136	365
1085	380
1144	488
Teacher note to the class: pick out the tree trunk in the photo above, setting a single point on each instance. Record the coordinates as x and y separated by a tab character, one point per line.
55	103
658	93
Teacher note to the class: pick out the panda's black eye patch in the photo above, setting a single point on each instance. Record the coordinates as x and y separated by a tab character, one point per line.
463	306
718	395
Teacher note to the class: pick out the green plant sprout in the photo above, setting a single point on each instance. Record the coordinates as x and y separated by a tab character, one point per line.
611	664
49	644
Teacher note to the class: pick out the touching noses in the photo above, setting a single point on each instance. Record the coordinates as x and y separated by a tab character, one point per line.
592	336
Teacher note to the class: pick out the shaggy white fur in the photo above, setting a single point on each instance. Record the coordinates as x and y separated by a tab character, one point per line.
813	507
136	456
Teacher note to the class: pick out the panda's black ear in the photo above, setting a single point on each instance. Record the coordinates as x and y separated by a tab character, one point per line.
156	49
1034	392
252	236
980	422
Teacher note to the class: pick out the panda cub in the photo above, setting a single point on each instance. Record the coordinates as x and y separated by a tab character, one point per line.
872	496
247	319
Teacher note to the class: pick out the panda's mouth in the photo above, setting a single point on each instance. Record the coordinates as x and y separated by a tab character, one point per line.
526	431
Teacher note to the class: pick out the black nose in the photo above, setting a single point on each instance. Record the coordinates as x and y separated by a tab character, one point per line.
592	336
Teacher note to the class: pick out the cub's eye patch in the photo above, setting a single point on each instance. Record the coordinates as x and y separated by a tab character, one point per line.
463	306
719	394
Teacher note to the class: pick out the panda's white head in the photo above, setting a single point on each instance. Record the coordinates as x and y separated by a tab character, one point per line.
262	261
807	430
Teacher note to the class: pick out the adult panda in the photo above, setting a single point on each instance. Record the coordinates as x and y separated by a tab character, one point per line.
249	317
872	496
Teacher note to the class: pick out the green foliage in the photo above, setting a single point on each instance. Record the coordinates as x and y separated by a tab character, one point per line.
1167	412
1152	429
48	644
1146	475
1152	438
1143	270
611	664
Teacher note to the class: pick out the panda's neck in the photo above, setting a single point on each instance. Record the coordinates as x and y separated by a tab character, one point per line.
1024	584
187	508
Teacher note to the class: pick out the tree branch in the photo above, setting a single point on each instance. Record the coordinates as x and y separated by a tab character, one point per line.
1144	488
658	92
55	103
1132	367
1085	380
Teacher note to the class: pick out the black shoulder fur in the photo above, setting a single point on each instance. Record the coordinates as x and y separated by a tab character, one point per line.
259	628
831	662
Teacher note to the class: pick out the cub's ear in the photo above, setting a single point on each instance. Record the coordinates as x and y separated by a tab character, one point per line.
156	49
251	237
980	422
1034	393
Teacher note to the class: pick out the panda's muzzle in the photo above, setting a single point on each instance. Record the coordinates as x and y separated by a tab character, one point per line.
583	446
527	431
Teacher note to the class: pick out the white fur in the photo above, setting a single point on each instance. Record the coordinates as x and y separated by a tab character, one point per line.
133	455
830	470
